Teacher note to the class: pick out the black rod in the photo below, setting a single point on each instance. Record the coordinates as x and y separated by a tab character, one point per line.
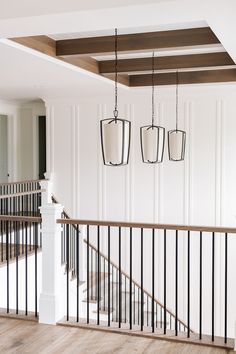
77	272
26	268
36	268
188	286
176	282
153	278
88	274
226	284
141	279
213	288
130	276
164	281
98	275
120	281
7	257
67	272
200	289
17	268
109	274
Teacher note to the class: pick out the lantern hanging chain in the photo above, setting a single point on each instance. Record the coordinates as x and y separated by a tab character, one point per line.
153	90
177	99
116	78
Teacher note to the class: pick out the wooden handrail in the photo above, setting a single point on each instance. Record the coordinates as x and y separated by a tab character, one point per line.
54	200
22	182
217	229
30	219
21	194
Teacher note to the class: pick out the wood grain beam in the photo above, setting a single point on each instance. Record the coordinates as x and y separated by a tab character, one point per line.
136	42
188	77
47	46
166	63
43	44
122	78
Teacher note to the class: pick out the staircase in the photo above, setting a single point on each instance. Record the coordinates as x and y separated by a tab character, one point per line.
112	307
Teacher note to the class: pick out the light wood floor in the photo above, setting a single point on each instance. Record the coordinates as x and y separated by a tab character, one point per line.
26	337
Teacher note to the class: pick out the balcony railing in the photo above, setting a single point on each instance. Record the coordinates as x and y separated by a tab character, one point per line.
121	254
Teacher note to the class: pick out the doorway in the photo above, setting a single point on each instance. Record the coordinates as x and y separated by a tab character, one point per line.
42	146
3	149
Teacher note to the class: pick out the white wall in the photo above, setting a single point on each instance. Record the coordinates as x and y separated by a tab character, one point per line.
200	190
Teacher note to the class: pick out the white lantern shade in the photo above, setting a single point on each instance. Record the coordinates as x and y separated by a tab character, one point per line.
152	143
176	145
115	140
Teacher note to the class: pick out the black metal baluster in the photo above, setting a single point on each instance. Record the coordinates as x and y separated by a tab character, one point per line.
10	234
226	285
26	268
112	292
67	273
142	279
2	243
200	289
109	275
161	317
134	306
153	278
98	275
7	257
104	285
188	286
130	281
139	306
125	298
92	282
120	281
156	314
117	296
36	268
77	272
88	274
176	282
17	267
164	281
213	287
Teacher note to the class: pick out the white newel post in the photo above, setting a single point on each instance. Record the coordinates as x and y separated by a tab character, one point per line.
46	186
51	301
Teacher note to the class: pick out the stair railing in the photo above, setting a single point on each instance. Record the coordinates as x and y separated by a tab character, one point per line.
114	236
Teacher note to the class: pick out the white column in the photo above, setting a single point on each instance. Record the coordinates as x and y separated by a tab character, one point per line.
51	301
46	185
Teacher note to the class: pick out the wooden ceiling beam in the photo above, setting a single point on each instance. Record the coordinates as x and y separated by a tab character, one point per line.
166	63
47	46
137	42
187	77
42	44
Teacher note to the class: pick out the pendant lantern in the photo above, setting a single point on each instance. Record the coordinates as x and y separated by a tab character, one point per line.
176	137
152	137
115	132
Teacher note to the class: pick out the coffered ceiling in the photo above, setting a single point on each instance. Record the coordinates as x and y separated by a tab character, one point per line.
196	52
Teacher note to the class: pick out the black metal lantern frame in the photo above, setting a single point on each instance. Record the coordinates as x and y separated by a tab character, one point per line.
159	143
176	150
115	142
125	152
159	147
173	156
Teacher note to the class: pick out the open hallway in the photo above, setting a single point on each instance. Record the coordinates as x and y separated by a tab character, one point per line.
30	337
